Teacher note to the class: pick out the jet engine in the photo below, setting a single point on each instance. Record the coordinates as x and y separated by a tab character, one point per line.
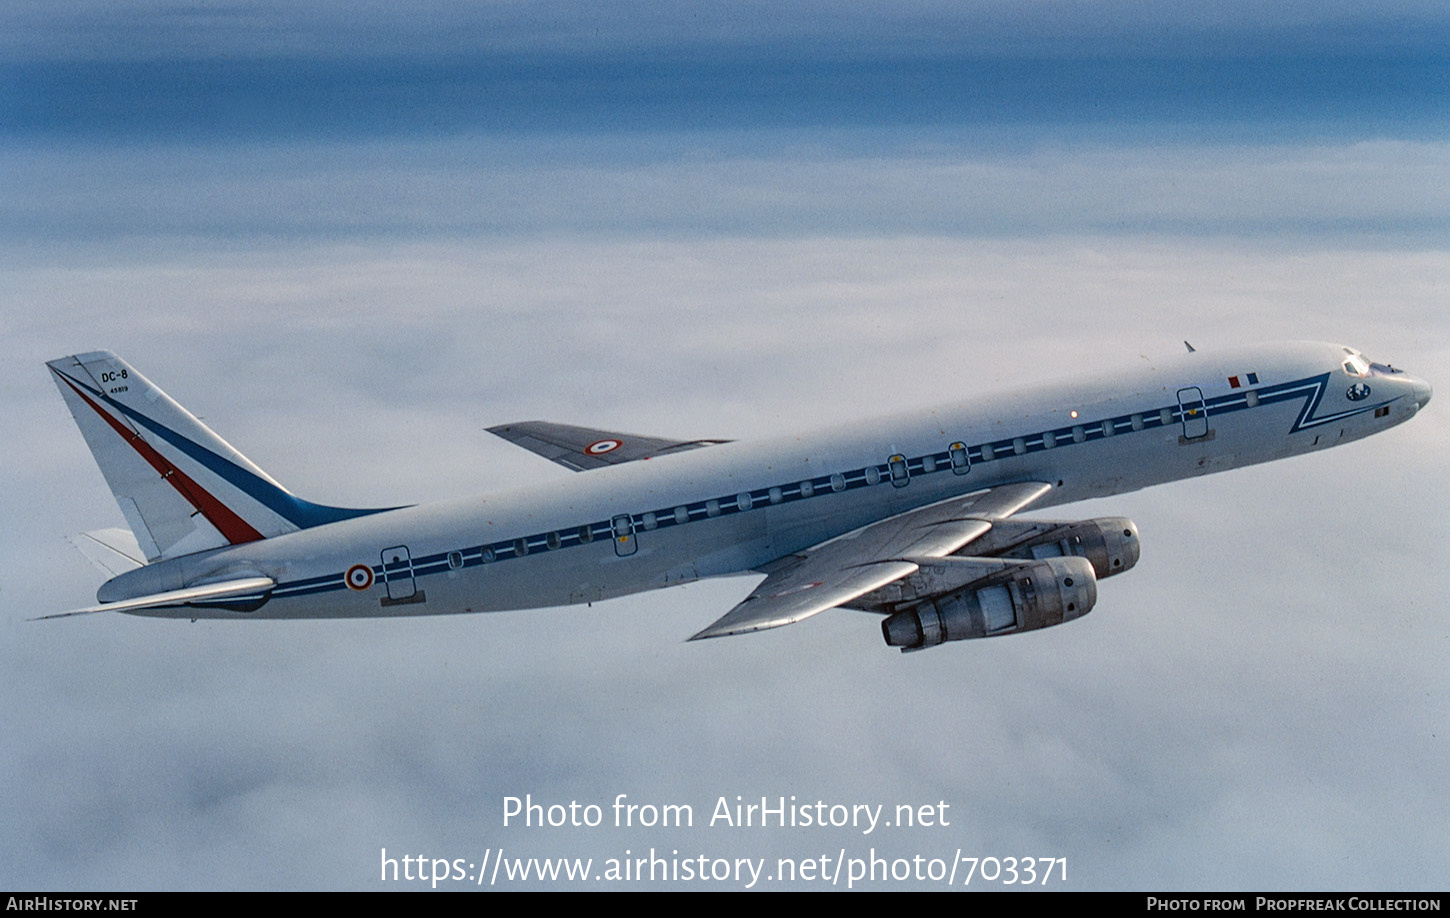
1019	597
1110	543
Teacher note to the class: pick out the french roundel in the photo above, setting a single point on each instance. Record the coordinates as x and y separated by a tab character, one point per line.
600	447
359	577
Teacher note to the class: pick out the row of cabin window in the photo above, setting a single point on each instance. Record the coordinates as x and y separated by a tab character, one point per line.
651	521
744	501
1079	432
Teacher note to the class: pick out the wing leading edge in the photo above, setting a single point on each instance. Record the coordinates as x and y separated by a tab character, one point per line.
836	572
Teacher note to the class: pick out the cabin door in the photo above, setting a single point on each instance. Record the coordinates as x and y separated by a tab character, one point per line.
1194	412
624	543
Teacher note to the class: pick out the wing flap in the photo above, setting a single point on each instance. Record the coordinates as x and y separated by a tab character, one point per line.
849	566
243	590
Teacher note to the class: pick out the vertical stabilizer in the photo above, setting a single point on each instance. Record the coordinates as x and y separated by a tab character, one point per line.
181	487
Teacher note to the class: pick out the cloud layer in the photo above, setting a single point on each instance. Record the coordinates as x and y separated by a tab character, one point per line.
1228	677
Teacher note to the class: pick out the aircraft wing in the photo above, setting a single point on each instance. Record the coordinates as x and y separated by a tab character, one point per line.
244	593
834	573
582	448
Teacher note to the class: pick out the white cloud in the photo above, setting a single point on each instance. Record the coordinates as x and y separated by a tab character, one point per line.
1268	677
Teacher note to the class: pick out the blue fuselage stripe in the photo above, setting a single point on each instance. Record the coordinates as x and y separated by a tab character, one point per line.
1311	389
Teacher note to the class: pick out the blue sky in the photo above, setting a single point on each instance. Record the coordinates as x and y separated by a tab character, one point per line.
509	118
714	88
350	239
105	106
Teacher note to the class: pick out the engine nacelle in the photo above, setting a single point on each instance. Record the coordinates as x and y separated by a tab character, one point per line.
1037	595
1110	543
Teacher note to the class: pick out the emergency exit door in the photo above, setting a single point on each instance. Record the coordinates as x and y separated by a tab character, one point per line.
398	573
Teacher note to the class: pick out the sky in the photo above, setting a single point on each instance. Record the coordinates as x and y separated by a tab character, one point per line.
351	239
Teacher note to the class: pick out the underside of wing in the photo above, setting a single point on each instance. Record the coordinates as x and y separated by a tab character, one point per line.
244	595
786	598
582	448
836	572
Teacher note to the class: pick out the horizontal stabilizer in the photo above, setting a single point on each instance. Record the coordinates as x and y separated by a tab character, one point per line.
249	592
112	551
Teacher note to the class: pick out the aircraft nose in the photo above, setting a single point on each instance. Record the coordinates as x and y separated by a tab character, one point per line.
1422	392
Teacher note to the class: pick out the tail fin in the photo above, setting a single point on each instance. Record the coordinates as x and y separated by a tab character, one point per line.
181	487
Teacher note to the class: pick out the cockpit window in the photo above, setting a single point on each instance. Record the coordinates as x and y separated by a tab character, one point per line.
1356	364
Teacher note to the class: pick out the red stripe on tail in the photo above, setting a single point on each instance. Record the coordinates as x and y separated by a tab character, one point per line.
232	527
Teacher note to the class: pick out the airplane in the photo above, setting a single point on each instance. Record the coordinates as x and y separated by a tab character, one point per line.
912	518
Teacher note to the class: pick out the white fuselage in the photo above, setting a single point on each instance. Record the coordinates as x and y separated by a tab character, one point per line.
732	508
